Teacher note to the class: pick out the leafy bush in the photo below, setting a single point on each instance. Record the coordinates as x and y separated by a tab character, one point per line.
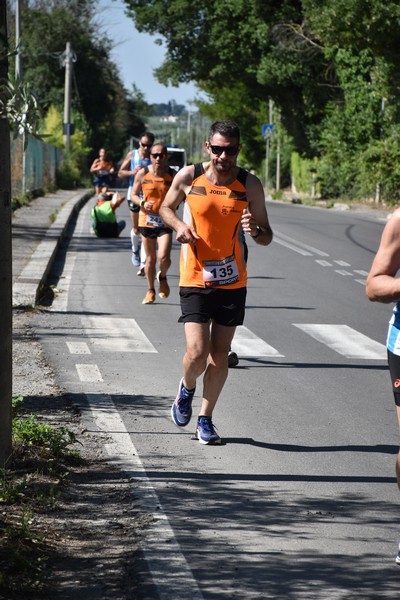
380	164
304	173
29	430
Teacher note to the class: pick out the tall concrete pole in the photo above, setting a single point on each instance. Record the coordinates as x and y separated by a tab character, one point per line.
18	68
5	259
68	56
18	78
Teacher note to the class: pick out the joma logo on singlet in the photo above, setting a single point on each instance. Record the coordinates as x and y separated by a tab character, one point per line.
220	192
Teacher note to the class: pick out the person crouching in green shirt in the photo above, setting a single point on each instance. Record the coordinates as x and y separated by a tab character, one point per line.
104	220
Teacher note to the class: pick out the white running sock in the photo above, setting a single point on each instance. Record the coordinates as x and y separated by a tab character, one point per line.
142	256
135	241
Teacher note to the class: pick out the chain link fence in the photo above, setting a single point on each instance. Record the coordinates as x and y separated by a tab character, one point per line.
34	168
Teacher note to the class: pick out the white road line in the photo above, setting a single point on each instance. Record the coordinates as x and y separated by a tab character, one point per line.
306	250
362	281
169	570
345	341
296	245
343	272
78	348
60	301
116	334
246	343
323	263
342	263
292	247
89	373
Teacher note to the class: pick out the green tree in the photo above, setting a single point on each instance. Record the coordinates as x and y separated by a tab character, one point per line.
241	54
98	93
327	65
74	166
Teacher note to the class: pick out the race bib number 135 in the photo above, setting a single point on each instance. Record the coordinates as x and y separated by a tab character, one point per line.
220	272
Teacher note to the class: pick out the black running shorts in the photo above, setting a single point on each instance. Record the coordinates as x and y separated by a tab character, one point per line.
154	232
200	305
394	368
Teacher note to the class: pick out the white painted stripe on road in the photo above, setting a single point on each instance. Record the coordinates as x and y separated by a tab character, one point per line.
345	341
291	247
169	570
343	272
362	281
89	373
246	343
78	348
296	245
60	301
323	263
342	263
361	272
116	334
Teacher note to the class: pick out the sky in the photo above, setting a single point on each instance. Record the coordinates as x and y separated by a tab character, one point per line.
137	55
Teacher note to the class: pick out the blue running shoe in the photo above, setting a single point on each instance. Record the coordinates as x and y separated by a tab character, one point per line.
181	410
206	433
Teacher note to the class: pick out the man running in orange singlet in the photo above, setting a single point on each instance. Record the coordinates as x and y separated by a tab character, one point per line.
149	189
221	202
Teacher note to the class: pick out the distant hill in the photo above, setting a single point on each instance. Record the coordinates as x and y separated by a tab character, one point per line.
167	109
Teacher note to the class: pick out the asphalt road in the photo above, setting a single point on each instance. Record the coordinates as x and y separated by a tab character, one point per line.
300	501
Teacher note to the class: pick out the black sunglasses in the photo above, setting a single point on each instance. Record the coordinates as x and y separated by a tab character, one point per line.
229	150
159	155
145	145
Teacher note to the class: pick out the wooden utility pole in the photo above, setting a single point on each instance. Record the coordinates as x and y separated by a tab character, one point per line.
5	256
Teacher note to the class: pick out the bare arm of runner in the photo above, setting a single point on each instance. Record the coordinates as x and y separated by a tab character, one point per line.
179	189
255	220
137	188
382	284
125	168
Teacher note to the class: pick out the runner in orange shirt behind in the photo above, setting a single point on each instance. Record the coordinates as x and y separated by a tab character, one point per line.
149	189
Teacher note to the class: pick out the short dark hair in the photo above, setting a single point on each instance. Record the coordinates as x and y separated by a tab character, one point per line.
148	135
162	144
228	129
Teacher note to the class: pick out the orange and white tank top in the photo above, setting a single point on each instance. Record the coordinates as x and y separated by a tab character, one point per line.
154	189
217	259
105	166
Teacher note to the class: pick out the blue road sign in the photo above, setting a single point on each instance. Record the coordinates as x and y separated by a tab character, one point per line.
267	129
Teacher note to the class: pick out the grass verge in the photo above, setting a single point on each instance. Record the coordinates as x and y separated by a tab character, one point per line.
29	487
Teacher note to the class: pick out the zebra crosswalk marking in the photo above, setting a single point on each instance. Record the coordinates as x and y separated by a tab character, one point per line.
345	341
116	334
78	348
106	334
246	343
89	373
